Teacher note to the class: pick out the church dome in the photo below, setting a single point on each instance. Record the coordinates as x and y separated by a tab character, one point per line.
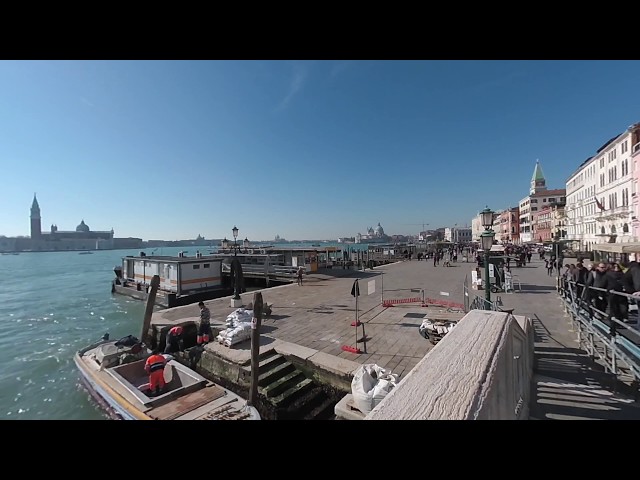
379	231
83	227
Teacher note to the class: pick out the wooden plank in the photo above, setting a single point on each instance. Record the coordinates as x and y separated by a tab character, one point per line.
187	403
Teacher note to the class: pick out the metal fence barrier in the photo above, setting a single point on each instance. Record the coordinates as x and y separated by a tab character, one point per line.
614	341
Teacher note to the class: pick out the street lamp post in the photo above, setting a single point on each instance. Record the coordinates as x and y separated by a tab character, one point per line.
236	293
487	241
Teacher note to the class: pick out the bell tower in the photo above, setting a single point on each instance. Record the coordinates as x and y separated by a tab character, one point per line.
538	183
36	231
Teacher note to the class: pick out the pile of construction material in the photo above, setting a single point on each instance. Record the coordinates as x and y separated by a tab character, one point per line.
238	328
434	330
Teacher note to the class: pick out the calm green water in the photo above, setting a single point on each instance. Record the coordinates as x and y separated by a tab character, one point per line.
51	305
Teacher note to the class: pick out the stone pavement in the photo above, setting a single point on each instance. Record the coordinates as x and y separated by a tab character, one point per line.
567	384
317	316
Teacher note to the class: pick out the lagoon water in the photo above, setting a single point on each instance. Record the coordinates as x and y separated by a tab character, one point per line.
51	305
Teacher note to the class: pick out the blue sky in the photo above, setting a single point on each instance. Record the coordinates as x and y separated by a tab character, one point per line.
303	149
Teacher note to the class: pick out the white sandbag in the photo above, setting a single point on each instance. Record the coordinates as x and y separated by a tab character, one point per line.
370	384
239	315
237	334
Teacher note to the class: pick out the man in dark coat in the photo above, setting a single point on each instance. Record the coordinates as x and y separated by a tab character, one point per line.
631	278
618	304
597	278
580	277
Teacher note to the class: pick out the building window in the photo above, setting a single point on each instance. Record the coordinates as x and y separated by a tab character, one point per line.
625	228
206	265
196	267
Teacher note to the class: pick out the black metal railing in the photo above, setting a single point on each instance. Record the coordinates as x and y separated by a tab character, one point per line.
606	322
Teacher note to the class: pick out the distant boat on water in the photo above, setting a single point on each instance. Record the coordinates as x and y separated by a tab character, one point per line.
85	253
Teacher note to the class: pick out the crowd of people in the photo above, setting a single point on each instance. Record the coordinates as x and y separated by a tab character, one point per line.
599	286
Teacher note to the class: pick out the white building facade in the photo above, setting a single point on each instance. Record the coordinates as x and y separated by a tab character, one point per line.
476	228
458	234
581	206
615	187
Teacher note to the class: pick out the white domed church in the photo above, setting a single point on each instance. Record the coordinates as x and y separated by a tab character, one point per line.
374	235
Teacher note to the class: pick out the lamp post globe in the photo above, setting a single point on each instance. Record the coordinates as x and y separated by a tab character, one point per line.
487	217
235	238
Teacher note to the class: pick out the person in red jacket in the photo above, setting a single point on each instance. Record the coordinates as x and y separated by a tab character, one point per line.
155	368
174	340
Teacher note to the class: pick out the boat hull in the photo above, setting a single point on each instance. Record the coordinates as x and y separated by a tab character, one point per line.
119	389
107	401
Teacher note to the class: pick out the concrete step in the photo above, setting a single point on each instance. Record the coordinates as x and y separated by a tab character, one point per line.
323	409
270	361
274	375
281	383
289	395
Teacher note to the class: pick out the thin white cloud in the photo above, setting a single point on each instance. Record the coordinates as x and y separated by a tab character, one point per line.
498	82
300	74
339	67
87	102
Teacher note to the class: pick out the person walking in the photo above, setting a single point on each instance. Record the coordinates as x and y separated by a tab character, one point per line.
631	283
550	265
204	330
618	305
580	277
598	279
299	274
631	278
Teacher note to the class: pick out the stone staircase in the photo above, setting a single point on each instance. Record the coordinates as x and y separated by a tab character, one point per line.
289	393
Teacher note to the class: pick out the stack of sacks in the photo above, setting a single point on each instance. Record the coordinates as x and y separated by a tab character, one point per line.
238	327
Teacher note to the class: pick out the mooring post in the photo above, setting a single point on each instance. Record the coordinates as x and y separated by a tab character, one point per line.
256	321
148	311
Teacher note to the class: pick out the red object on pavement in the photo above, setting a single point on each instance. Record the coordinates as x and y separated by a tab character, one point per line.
349	348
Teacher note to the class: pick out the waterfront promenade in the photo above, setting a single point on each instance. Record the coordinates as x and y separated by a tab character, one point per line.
317	317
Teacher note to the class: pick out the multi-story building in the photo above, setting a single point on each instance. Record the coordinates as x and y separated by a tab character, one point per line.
457	234
476	228
614	187
542	223
601	194
507	228
581	207
635	200
559	225
538	198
